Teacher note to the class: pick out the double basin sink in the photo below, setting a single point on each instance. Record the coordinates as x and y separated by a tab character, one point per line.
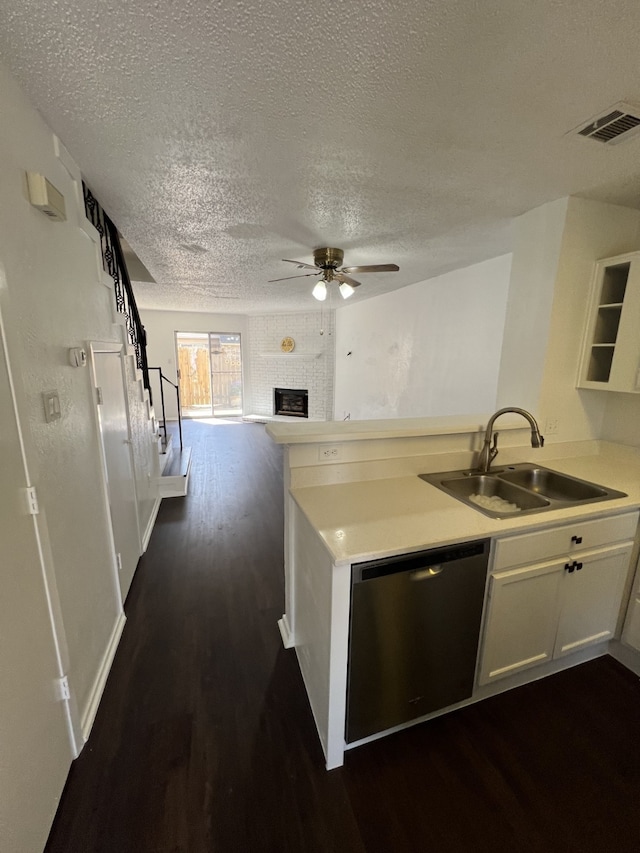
519	489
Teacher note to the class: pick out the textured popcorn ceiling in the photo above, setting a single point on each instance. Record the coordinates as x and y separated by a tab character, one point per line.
222	137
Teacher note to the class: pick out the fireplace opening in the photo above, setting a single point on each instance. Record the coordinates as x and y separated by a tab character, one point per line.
291	402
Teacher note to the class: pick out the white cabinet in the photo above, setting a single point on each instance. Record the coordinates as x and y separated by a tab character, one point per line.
590	598
631	632
611	347
553	607
521	620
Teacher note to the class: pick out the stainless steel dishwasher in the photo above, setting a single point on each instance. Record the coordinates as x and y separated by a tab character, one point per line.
414	631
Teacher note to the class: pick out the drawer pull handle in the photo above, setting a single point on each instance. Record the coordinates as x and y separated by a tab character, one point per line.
569	567
577	540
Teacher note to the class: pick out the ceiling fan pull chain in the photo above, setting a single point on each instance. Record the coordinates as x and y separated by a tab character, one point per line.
330	310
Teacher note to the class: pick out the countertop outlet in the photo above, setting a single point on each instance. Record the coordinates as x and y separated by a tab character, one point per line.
328	453
551	426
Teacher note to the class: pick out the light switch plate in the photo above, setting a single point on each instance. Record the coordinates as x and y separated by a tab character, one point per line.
51	402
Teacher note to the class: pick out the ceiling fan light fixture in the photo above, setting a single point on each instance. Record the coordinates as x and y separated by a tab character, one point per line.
346	290
319	292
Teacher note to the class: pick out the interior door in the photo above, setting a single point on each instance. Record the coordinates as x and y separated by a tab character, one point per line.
116	443
35	751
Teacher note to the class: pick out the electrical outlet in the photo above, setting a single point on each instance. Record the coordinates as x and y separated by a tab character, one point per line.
551	426
325	453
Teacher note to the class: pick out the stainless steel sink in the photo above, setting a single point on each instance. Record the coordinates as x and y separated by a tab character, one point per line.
489	486
530	487
551	484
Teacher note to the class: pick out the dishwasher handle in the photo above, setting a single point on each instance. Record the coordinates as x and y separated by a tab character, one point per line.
426	573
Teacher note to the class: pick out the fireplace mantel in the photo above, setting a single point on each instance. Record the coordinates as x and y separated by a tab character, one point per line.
309	355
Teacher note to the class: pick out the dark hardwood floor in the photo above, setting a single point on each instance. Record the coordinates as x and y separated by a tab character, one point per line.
204	739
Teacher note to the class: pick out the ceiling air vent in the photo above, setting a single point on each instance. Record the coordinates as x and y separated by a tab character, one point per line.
620	123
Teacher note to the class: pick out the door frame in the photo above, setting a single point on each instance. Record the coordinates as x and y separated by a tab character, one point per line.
115	349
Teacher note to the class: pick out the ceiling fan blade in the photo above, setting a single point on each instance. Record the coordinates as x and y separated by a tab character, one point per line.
286	278
373	268
340	276
300	265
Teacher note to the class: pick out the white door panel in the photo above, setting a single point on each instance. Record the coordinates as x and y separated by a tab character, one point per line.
35	752
114	429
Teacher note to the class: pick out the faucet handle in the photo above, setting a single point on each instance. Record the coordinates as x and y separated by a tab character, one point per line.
493	452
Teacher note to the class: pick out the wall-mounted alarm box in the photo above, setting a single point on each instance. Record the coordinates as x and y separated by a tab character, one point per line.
44	196
77	357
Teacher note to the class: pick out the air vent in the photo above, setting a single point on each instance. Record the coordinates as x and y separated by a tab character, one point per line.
620	123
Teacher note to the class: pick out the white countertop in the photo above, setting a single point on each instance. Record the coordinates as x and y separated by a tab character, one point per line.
311	432
378	518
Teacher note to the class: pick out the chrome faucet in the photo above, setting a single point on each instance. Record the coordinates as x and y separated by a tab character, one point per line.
489	452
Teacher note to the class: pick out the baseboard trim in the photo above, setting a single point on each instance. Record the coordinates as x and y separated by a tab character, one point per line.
285	632
150	524
91	710
626	656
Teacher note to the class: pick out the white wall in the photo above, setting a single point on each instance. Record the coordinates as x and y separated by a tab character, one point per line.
429	349
263	364
622	419
537	242
34	739
556	246
310	365
52	297
161	328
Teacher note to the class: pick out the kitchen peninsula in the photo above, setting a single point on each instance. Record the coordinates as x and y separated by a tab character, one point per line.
352	494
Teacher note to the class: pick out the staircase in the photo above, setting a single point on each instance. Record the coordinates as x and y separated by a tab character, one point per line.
175	467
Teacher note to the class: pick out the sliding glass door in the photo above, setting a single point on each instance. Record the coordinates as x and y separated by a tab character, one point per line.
210	374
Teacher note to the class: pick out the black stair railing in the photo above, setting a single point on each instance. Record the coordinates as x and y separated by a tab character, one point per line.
114	265
163	425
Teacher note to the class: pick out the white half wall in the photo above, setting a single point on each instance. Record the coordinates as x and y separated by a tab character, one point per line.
429	349
161	328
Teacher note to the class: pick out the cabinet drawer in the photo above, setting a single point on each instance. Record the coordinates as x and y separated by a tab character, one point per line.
564	539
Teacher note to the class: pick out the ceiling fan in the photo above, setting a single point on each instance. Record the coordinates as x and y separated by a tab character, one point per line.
327	264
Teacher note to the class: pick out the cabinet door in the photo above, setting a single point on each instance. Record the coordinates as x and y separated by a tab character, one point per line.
591	596
520	624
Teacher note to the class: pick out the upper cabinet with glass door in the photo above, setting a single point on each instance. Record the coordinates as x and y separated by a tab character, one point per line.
611	349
